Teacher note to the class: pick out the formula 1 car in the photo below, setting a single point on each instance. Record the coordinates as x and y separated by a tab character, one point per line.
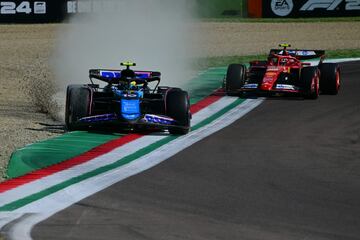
284	72
127	102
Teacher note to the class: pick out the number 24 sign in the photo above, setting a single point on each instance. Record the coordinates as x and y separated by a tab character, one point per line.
24	7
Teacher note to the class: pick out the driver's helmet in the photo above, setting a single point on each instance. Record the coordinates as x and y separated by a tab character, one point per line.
133	85
283	61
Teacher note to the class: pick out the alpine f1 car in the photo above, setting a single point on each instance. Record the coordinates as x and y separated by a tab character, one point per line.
285	72
127	102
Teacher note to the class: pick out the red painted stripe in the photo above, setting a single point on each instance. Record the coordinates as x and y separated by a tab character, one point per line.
93	153
207	101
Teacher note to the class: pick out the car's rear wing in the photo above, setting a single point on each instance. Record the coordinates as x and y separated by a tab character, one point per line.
113	76
301	54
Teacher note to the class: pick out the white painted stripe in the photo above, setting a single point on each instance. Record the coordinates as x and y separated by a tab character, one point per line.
48	206
103	160
340	60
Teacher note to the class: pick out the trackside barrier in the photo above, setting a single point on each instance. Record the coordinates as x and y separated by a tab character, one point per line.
303	8
46	11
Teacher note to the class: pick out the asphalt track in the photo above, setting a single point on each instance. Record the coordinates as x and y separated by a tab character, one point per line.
290	169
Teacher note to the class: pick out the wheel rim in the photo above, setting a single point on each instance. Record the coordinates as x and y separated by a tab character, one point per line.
315	85
337	79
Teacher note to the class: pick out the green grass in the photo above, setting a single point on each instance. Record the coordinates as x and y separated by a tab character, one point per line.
280	20
204	63
346	53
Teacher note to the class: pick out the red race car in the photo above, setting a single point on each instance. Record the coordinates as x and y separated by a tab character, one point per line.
284	72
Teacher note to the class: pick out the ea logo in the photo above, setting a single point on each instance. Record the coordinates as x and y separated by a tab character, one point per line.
282	8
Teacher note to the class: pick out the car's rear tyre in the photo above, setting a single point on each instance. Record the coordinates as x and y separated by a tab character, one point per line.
178	108
78	105
235	79
310	80
329	78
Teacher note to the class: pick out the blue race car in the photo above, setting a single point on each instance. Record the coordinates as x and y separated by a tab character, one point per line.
131	100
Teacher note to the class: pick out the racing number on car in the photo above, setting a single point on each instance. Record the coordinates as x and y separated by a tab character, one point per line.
23	8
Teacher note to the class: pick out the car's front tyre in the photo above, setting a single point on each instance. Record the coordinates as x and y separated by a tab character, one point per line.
78	105
310	79
178	108
234	79
330	78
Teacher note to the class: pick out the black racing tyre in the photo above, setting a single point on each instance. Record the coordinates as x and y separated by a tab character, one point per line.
178	108
235	79
78	105
329	78
310	82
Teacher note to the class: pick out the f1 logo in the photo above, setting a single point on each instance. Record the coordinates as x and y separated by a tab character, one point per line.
313	4
330	5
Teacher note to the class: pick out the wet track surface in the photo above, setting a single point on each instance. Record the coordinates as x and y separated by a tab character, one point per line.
290	169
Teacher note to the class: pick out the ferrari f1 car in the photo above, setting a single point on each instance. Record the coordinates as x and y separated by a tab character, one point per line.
285	72
127	102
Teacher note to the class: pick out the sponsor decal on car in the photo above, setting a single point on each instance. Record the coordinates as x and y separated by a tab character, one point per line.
272	68
251	86
270	74
285	87
117	74
110	74
99	118
151	118
299	53
268	79
130	109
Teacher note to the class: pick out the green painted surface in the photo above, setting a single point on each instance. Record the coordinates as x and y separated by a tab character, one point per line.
49	152
205	83
27	200
46	153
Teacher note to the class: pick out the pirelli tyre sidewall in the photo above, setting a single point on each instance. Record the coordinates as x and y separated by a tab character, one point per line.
310	81
178	108
329	78
78	105
234	79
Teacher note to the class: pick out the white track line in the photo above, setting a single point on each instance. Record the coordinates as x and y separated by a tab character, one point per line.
340	60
